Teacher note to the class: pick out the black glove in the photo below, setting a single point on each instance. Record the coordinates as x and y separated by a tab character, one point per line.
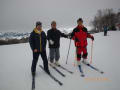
92	38
69	36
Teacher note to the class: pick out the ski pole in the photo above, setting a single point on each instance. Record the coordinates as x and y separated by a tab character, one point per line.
74	64
68	51
91	53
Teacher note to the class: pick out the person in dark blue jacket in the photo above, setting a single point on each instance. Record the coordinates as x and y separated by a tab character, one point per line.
37	41
105	30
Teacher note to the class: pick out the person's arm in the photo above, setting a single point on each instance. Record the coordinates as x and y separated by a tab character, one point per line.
88	34
49	38
45	39
63	35
31	41
48	35
72	35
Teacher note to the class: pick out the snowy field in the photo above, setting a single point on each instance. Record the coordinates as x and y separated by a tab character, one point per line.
15	64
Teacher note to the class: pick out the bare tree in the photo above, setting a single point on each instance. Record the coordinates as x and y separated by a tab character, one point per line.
105	17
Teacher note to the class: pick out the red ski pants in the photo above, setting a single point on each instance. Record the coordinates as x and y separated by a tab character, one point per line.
81	51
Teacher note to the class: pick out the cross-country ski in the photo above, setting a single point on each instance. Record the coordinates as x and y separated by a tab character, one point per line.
60	66
57	70
94	68
52	77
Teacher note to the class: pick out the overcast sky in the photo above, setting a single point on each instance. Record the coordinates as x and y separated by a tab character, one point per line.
21	15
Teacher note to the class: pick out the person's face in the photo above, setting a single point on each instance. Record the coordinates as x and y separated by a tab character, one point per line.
54	25
39	27
80	23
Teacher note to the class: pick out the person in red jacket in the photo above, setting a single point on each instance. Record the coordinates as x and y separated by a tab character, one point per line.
80	35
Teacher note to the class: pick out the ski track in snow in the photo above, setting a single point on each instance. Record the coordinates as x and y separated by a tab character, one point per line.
15	64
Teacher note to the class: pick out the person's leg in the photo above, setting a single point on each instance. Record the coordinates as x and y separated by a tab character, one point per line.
104	33
52	54
78	52
57	54
34	62
45	61
85	54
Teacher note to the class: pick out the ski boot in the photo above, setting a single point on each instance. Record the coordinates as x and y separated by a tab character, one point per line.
57	63
85	61
47	71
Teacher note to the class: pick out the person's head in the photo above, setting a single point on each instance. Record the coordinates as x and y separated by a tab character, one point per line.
53	24
80	21
38	25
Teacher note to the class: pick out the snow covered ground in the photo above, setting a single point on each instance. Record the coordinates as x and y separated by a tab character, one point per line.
15	63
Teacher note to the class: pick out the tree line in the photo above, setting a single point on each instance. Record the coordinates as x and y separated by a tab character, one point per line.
106	17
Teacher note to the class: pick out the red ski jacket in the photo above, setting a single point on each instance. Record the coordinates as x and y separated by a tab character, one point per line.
80	35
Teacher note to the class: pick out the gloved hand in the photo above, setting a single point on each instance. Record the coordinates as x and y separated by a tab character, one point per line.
35	50
51	42
92	38
69	36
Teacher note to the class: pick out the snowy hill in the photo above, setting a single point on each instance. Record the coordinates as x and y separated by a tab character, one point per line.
15	63
13	35
13	38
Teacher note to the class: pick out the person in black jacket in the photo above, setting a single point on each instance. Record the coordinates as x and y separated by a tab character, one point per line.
53	36
38	42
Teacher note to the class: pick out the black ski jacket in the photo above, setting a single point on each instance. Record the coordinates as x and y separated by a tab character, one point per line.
38	41
55	36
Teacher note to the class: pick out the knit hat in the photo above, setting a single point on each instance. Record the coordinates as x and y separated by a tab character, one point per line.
38	23
53	22
80	19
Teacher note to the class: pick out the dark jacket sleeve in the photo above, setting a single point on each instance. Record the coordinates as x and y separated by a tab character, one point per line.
72	34
63	35
48	35
31	41
88	34
45	38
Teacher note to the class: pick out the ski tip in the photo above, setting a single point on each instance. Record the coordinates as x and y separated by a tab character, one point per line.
71	72
64	75
33	89
82	75
61	84
102	72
